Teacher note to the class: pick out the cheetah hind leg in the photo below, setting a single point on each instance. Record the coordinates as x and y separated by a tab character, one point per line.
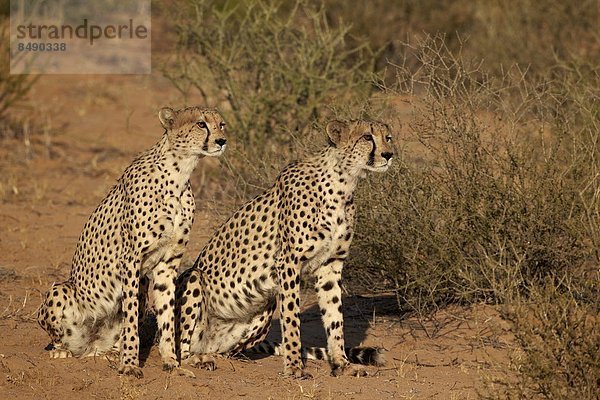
58	315
108	338
50	313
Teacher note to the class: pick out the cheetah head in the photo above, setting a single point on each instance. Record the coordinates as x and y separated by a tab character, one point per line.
366	145
194	130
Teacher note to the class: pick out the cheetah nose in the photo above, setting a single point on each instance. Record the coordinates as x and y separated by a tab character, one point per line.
221	142
387	155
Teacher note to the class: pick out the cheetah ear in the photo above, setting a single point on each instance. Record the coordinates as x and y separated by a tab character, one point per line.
166	116
335	130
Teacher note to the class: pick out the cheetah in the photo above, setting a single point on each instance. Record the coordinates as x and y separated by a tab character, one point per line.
137	233
303	225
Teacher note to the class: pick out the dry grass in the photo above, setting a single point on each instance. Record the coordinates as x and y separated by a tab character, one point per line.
559	334
13	88
533	34
496	198
15	309
502	207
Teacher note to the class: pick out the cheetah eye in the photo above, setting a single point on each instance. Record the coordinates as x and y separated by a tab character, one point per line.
388	139
202	124
222	125
368	137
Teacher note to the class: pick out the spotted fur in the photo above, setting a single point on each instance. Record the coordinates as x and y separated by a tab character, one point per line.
138	231
302	225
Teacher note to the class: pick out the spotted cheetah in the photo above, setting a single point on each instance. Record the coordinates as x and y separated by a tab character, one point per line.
303	225
139	231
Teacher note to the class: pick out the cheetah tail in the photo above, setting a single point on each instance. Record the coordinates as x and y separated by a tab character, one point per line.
356	355
366	355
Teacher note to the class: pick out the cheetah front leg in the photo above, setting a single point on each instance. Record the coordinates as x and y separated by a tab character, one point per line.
130	339
165	275
329	294
289	303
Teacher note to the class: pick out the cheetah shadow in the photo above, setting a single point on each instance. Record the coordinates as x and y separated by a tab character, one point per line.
359	312
148	337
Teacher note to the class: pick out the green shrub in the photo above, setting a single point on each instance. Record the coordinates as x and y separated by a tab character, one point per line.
503	195
498	202
272	68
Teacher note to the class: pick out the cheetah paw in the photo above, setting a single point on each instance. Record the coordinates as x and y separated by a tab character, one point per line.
203	361
60	353
169	364
185	372
131	370
297	373
349	370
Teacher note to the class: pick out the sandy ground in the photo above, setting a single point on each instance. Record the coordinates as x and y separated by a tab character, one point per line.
84	132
